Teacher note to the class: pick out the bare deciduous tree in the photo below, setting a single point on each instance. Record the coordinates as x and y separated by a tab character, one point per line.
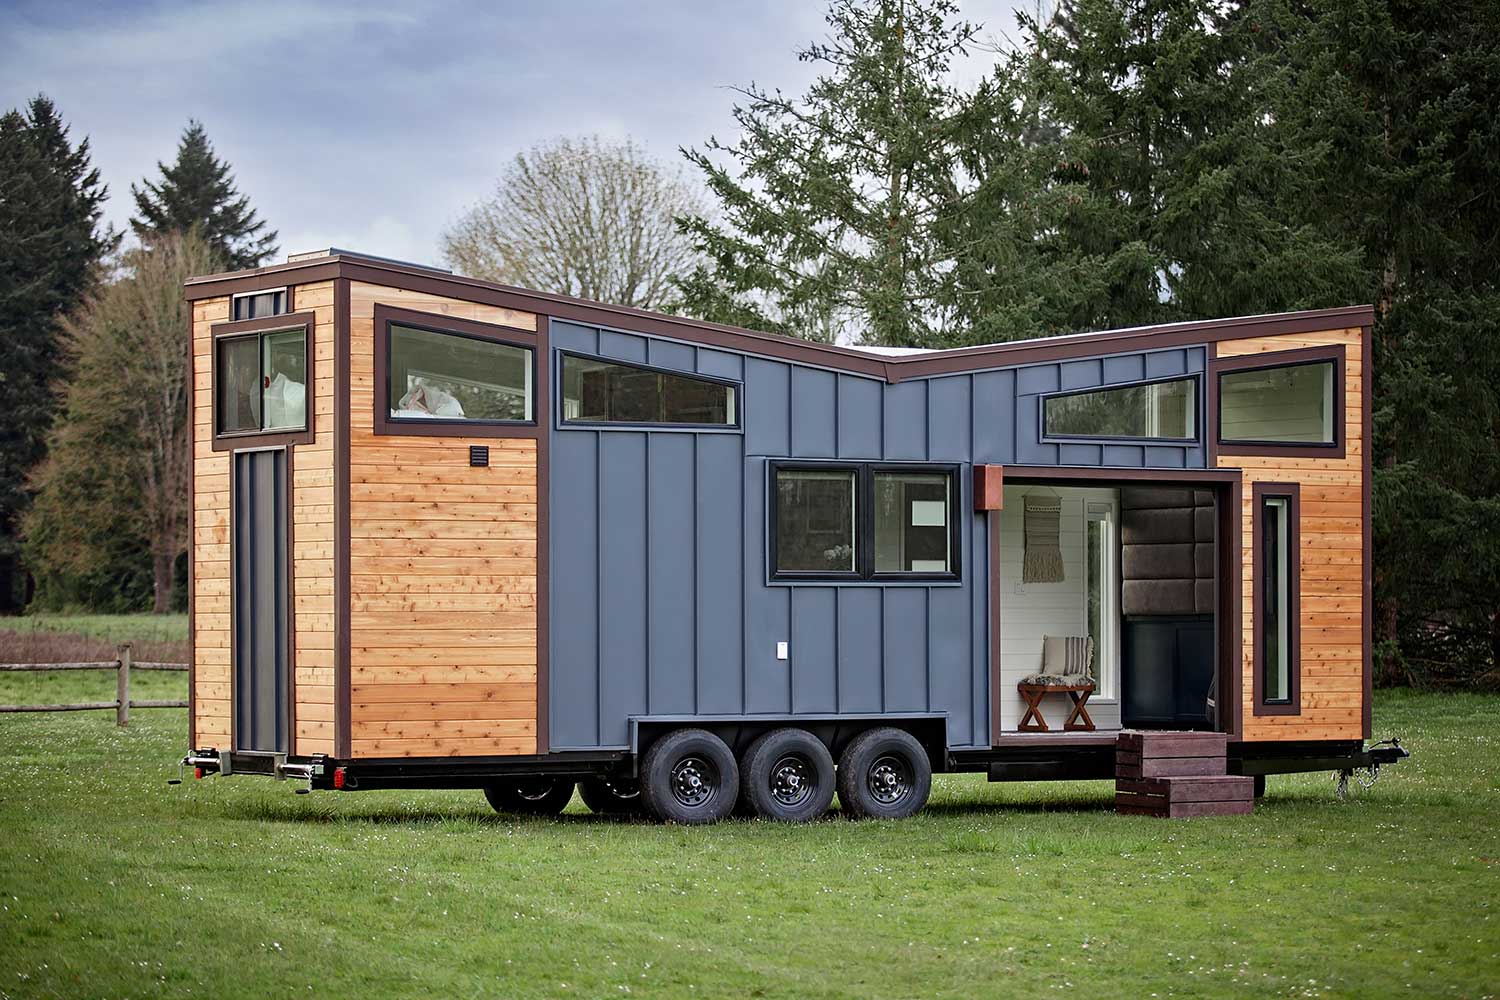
583	217
121	456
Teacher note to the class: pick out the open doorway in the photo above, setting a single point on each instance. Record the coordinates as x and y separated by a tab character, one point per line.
1126	571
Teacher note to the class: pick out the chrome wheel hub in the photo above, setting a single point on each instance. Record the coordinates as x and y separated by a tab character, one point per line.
791	780
889	780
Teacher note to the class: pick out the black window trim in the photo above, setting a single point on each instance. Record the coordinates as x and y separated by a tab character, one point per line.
388	317
1198	406
737	427
1292	493
864	522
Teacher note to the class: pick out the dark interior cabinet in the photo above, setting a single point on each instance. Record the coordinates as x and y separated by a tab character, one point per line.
1166	670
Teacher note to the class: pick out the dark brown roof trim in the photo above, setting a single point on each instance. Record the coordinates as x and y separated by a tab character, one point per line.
891	369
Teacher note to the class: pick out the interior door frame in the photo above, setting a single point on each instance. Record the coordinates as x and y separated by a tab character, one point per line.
290	638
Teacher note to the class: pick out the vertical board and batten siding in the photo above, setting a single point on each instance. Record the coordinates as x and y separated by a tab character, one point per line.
312	542
660	599
443	570
1331	567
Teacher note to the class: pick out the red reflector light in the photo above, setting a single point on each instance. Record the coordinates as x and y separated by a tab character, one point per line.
338	777
197	772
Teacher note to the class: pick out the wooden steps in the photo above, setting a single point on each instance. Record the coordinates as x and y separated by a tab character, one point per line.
1177	774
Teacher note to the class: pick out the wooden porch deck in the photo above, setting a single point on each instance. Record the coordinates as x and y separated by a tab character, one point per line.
1059	738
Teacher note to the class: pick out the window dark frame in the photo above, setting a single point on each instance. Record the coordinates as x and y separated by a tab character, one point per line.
387	317
563	421
1220	367
286	302
306	323
1198	403
1292	493
864	522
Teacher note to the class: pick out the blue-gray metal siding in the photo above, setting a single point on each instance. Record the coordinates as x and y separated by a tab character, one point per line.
660	603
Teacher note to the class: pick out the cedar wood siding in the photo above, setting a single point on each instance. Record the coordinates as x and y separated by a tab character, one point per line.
443	568
311	537
1334	548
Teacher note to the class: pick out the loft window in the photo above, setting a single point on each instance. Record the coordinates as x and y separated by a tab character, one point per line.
258	305
1275	599
261	382
596	391
1163	410
453	377
1287	404
864	522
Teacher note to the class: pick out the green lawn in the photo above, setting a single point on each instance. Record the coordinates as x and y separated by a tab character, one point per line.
113	883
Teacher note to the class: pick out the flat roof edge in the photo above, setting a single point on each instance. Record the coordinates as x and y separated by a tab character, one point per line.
892	368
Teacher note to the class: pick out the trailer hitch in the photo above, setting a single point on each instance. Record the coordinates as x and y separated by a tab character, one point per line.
1376	754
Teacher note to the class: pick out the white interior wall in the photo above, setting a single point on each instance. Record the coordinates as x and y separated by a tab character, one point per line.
1028	611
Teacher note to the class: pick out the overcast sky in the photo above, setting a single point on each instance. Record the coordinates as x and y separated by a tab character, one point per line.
371	126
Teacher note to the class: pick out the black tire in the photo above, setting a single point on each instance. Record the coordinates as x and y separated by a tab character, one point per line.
689	776
787	775
884	774
530	796
612	796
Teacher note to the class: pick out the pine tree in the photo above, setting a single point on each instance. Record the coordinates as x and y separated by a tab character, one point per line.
832	203
51	246
197	192
1403	101
1174	195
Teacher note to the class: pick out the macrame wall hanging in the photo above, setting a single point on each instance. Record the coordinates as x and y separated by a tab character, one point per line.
1043	561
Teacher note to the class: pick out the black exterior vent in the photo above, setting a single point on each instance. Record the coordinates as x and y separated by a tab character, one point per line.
479	455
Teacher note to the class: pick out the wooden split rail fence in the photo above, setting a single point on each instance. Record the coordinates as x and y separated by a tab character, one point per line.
122	665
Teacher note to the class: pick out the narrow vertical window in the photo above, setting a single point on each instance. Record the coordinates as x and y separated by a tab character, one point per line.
1102	594
1275	602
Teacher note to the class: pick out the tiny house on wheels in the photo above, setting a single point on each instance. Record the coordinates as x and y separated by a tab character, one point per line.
448	533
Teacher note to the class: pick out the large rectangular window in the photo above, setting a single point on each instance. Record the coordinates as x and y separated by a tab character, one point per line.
453	377
261	382
864	521
1275	601
599	391
1294	404
1165	410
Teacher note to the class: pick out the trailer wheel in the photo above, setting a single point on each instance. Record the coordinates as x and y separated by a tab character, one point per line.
530	796
689	776
612	796
884	774
787	774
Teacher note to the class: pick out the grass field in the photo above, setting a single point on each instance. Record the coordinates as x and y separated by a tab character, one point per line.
114	884
51	638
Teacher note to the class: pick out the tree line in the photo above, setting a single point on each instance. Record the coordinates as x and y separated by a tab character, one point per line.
95	454
1118	164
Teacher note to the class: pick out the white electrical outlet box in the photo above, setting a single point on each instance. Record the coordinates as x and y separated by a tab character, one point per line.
781	651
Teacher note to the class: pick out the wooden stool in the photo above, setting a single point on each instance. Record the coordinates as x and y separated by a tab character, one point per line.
1078	718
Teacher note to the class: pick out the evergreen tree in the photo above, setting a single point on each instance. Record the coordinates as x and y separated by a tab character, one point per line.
1171	193
1404	101
832	203
197	192
51	246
